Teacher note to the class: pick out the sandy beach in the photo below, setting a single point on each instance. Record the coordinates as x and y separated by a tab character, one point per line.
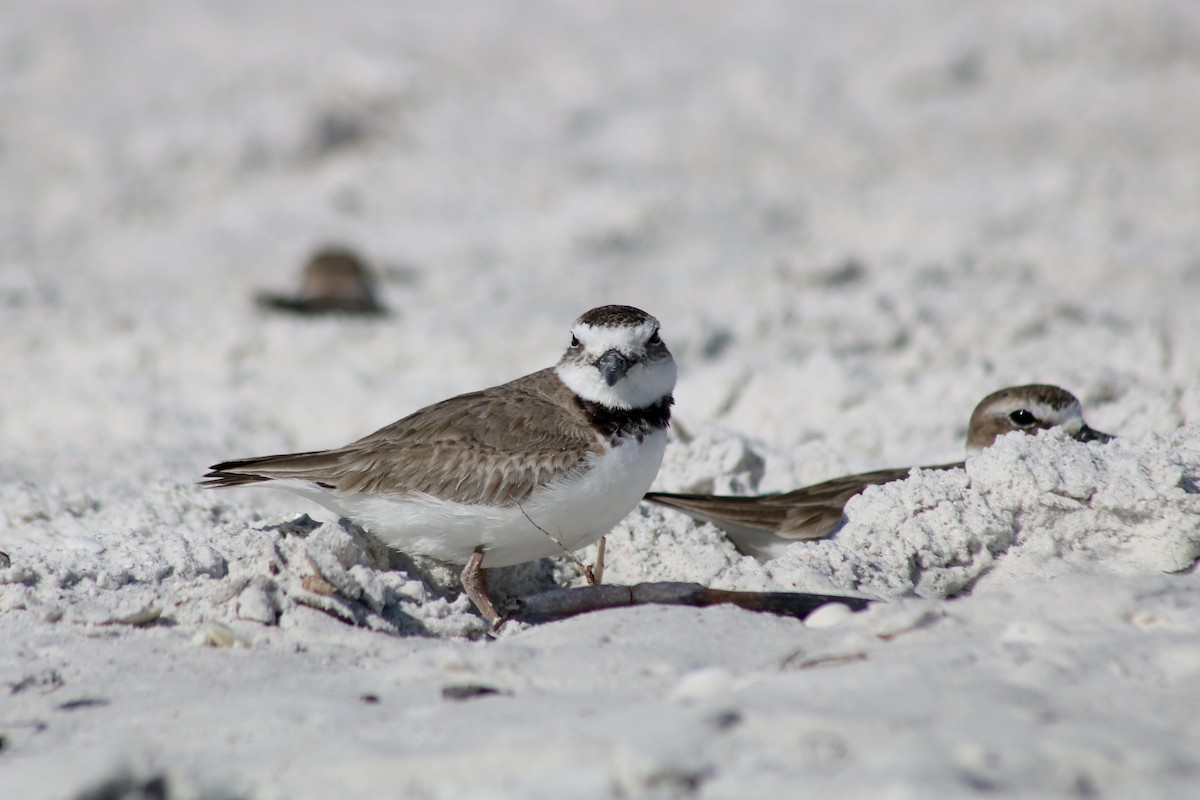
853	221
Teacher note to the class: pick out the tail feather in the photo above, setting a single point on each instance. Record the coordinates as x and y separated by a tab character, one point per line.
219	479
315	466
750	512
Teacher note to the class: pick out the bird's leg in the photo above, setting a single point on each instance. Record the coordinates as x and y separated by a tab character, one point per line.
474	582
595	573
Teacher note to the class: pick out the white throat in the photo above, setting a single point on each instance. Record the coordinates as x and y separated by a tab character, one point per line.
643	386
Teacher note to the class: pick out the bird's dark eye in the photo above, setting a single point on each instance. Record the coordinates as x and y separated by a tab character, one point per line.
654	338
574	341
1022	418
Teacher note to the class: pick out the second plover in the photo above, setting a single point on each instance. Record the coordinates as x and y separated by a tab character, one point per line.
336	281
764	525
544	464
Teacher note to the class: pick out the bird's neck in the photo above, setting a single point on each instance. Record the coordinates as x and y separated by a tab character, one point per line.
618	423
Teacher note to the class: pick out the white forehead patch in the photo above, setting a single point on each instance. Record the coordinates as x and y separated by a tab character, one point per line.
602	338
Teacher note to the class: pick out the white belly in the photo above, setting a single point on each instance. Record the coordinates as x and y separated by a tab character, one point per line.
574	513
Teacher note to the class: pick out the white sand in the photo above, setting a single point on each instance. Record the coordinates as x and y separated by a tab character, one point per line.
854	221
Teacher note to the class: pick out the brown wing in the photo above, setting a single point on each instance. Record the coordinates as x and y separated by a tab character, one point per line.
810	512
814	511
495	446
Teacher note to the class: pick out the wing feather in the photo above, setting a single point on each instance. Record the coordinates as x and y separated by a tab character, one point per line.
810	512
495	446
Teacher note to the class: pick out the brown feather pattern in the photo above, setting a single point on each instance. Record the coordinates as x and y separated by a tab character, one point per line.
810	512
494	446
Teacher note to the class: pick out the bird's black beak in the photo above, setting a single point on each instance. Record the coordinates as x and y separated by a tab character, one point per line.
1087	434
613	366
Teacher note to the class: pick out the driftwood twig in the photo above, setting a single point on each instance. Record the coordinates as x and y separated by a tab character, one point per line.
560	603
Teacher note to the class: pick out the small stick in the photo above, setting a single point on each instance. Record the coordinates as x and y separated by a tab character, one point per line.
561	603
588	572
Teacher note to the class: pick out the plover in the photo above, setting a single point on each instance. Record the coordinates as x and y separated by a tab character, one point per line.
336	281
764	525
544	464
